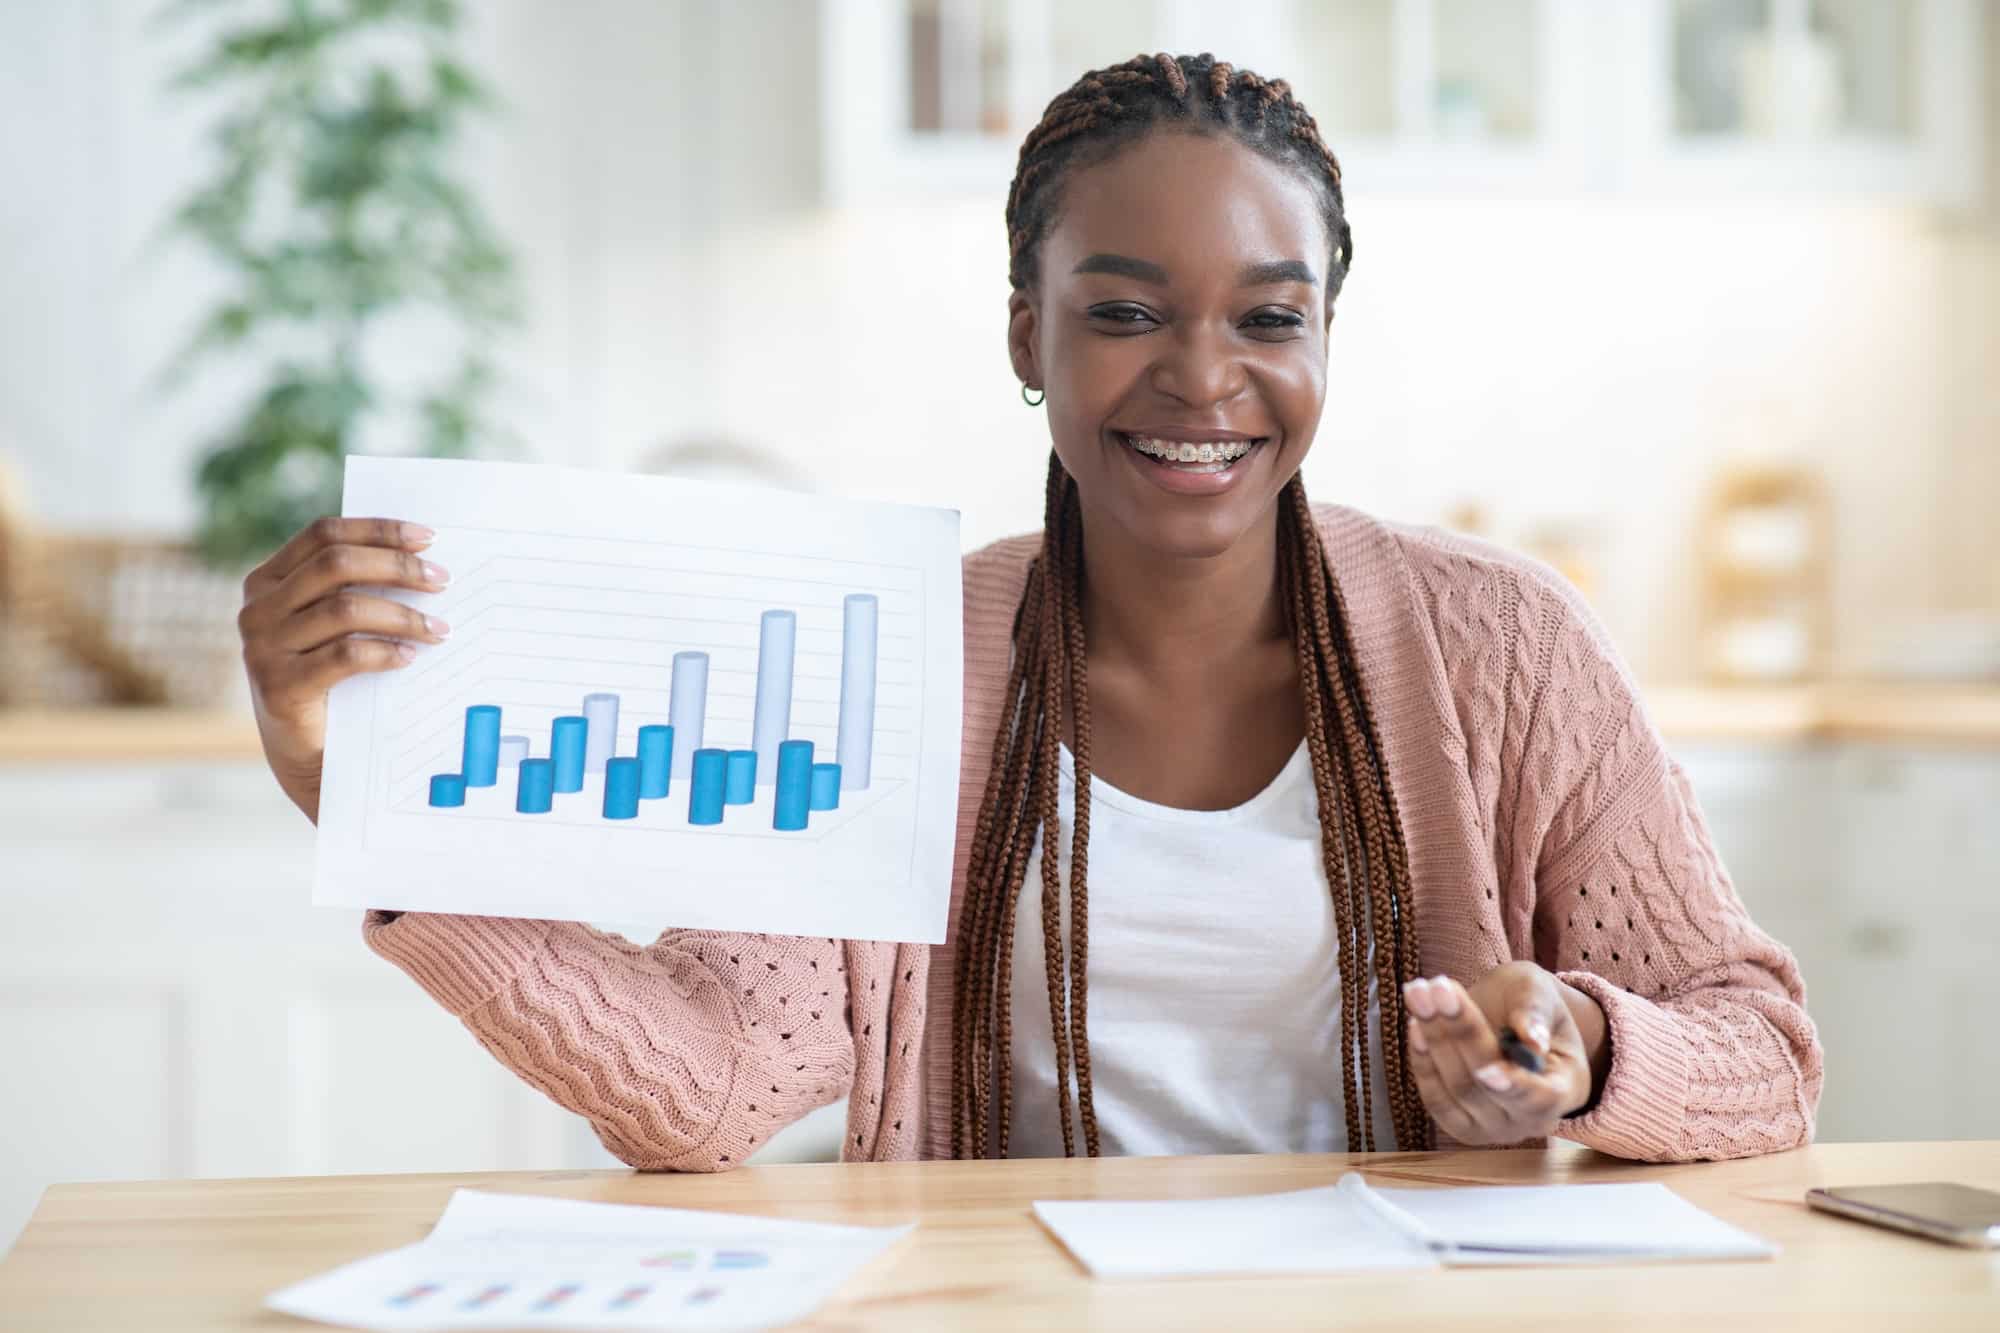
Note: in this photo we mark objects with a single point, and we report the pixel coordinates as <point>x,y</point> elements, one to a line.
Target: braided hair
<point>1108,109</point>
<point>1361,838</point>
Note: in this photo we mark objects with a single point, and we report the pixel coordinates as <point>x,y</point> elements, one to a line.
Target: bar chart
<point>741,708</point>
<point>658,740</point>
<point>581,749</point>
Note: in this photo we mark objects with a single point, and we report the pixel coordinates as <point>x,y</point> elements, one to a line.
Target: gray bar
<point>685,708</point>
<point>776,636</point>
<point>856,744</point>
<point>600,740</point>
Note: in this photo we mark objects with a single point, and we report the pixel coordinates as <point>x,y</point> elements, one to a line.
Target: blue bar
<point>482,746</point>
<point>825,787</point>
<point>535,794</point>
<point>705,801</point>
<point>741,786</point>
<point>656,761</point>
<point>795,764</point>
<point>621,787</point>
<point>447,789</point>
<point>566,740</point>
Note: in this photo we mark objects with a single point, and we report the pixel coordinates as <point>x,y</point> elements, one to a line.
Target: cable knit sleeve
<point>1712,1054</point>
<point>684,1055</point>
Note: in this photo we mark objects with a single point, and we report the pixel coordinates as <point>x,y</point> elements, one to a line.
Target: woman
<point>1354,797</point>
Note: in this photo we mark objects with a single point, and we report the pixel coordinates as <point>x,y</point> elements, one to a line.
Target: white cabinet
<point>1871,97</point>
<point>172,1005</point>
<point>1918,925</point>
<point>935,95</point>
<point>1879,866</point>
<point>1844,97</point>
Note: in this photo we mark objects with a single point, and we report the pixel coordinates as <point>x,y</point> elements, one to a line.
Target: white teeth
<point>1219,452</point>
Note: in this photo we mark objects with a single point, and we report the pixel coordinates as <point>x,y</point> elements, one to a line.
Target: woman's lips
<point>1194,478</point>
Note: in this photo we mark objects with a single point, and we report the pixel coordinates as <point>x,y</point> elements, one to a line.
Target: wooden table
<point>191,1255</point>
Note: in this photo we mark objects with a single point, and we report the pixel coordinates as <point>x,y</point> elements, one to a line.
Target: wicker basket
<point>112,620</point>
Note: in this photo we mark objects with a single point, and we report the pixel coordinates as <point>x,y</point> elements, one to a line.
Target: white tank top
<point>1214,994</point>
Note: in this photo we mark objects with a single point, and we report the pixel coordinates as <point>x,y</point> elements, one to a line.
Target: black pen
<point>1519,1051</point>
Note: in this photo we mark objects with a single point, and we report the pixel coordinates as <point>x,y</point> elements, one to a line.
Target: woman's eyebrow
<point>1265,274</point>
<point>1123,266</point>
<point>1276,271</point>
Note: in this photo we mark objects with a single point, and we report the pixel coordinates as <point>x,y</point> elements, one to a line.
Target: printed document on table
<point>661,701</point>
<point>1304,1231</point>
<point>1539,1223</point>
<point>521,1261</point>
<point>1353,1225</point>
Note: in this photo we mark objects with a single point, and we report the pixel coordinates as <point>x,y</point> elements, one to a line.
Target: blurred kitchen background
<point>1699,300</point>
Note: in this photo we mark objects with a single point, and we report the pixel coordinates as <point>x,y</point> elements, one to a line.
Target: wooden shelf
<point>126,735</point>
<point>1936,714</point>
<point>1846,711</point>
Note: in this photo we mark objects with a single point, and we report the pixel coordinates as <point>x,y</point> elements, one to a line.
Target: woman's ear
<point>1022,321</point>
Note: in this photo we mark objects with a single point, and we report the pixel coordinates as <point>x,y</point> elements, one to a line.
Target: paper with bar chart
<point>660,700</point>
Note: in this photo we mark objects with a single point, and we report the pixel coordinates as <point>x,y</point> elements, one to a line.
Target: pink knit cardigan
<point>1544,817</point>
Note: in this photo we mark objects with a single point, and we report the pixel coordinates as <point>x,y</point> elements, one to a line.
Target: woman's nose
<point>1198,367</point>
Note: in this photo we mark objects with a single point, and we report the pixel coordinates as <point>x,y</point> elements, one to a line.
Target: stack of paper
<point>519,1261</point>
<point>1351,1225</point>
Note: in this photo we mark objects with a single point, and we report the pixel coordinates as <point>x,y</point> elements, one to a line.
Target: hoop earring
<point>1033,402</point>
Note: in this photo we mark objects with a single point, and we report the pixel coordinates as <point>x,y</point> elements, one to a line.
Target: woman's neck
<point>1180,617</point>
<point>1194,696</point>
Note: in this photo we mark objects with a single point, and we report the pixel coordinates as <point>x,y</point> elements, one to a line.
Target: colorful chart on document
<point>741,710</point>
<point>592,712</point>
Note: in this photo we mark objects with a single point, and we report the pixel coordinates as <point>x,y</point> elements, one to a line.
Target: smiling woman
<point>1319,806</point>
<point>1182,627</point>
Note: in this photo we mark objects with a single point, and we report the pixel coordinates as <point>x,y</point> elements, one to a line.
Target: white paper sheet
<point>1352,1225</point>
<point>1644,1220</point>
<point>520,1261</point>
<point>568,583</point>
<point>1306,1231</point>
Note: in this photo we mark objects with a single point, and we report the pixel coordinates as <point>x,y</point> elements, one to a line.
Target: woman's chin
<point>1201,531</point>
<point>1195,515</point>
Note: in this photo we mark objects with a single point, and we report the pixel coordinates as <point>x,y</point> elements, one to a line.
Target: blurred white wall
<point>1575,360</point>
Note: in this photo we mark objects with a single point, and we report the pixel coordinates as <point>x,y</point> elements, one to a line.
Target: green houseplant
<point>332,206</point>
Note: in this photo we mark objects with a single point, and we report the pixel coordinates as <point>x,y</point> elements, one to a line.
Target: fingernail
<point>1447,998</point>
<point>1417,1042</point>
<point>1538,1034</point>
<point>437,627</point>
<point>1493,1076</point>
<point>406,650</point>
<point>437,574</point>
<point>1417,995</point>
<point>416,534</point>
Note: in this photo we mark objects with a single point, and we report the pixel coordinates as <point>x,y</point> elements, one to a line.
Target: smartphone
<point>1957,1214</point>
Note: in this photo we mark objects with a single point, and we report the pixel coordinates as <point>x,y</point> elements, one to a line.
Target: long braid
<point>1079,704</point>
<point>1362,847</point>
<point>1340,856</point>
<point>1380,882</point>
<point>1047,789</point>
<point>1389,899</point>
<point>1002,801</point>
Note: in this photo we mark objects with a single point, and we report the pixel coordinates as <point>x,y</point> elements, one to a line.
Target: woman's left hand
<point>1475,1093</point>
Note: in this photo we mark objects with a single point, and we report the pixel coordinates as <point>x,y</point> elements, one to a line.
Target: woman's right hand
<point>304,628</point>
